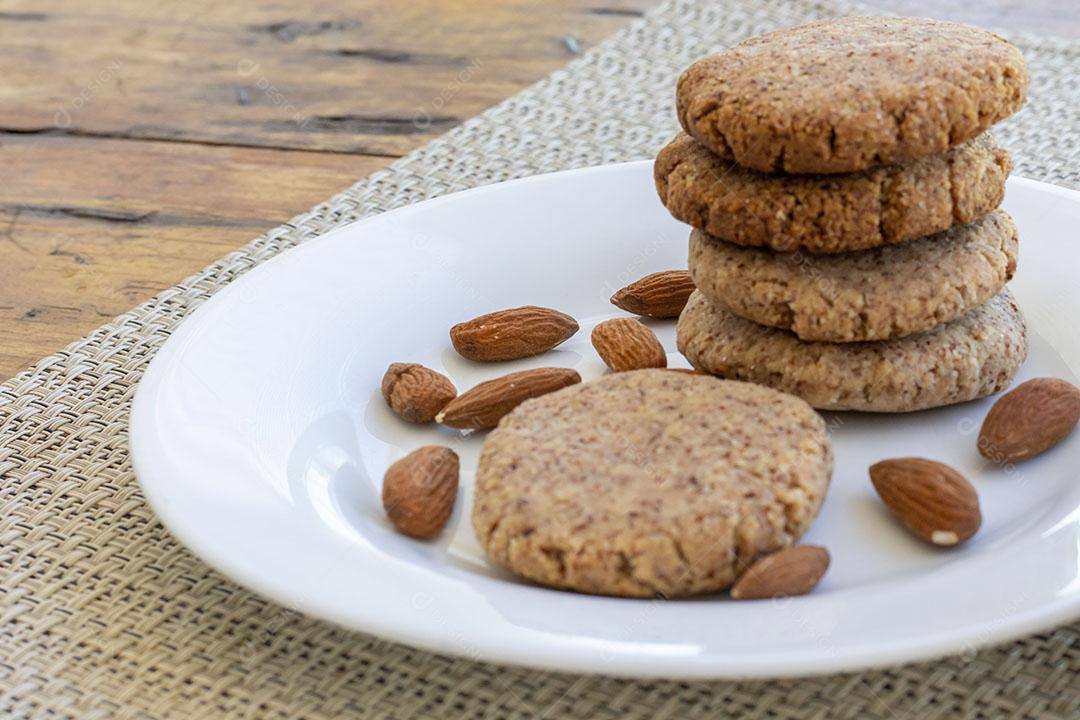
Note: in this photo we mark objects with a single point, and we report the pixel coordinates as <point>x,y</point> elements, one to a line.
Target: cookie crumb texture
<point>879,294</point>
<point>831,213</point>
<point>649,483</point>
<point>849,94</point>
<point>971,357</point>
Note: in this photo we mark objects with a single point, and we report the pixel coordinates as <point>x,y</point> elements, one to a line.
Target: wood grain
<point>140,140</point>
<point>360,77</point>
<point>170,133</point>
<point>92,227</point>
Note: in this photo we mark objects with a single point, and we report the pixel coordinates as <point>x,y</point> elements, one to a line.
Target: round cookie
<point>876,294</point>
<point>831,213</point>
<point>852,93</point>
<point>649,482</point>
<point>971,357</point>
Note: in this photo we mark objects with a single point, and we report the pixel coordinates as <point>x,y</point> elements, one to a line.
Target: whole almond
<point>512,334</point>
<point>484,405</point>
<point>419,491</point>
<point>1030,419</point>
<point>416,393</point>
<point>660,295</point>
<point>626,344</point>
<point>792,571</point>
<point>930,498</point>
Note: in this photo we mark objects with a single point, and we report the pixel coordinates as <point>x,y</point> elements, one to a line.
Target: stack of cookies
<point>847,245</point>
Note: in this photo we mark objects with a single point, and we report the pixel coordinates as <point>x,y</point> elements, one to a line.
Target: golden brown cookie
<point>831,213</point>
<point>849,94</point>
<point>876,294</point>
<point>649,482</point>
<point>971,357</point>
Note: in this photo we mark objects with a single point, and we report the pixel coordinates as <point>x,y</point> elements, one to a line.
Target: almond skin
<point>484,405</point>
<point>512,334</point>
<point>626,344</point>
<point>792,571</point>
<point>930,498</point>
<point>419,491</point>
<point>416,393</point>
<point>660,295</point>
<point>1029,420</point>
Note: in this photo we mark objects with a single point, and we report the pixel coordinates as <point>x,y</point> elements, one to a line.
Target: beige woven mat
<point>104,615</point>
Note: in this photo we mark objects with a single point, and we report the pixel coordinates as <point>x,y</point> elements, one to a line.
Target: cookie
<point>831,213</point>
<point>971,357</point>
<point>848,94</point>
<point>876,294</point>
<point>649,483</point>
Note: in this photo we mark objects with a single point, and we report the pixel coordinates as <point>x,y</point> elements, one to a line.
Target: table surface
<point>140,141</point>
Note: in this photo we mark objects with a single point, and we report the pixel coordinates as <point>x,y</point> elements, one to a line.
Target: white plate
<point>260,438</point>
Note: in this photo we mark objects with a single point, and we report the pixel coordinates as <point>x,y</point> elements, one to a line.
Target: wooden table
<point>142,139</point>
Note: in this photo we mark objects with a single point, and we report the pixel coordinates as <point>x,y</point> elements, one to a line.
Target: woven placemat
<point>106,616</point>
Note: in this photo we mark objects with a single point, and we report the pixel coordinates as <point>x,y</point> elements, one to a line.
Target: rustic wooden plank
<point>97,213</point>
<point>362,77</point>
<point>89,227</point>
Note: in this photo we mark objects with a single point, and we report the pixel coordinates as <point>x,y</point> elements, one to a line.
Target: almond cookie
<point>877,294</point>
<point>849,94</point>
<point>971,357</point>
<point>649,483</point>
<point>831,213</point>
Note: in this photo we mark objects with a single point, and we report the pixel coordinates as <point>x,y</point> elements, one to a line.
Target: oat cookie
<point>971,357</point>
<point>649,482</point>
<point>851,93</point>
<point>876,294</point>
<point>831,213</point>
